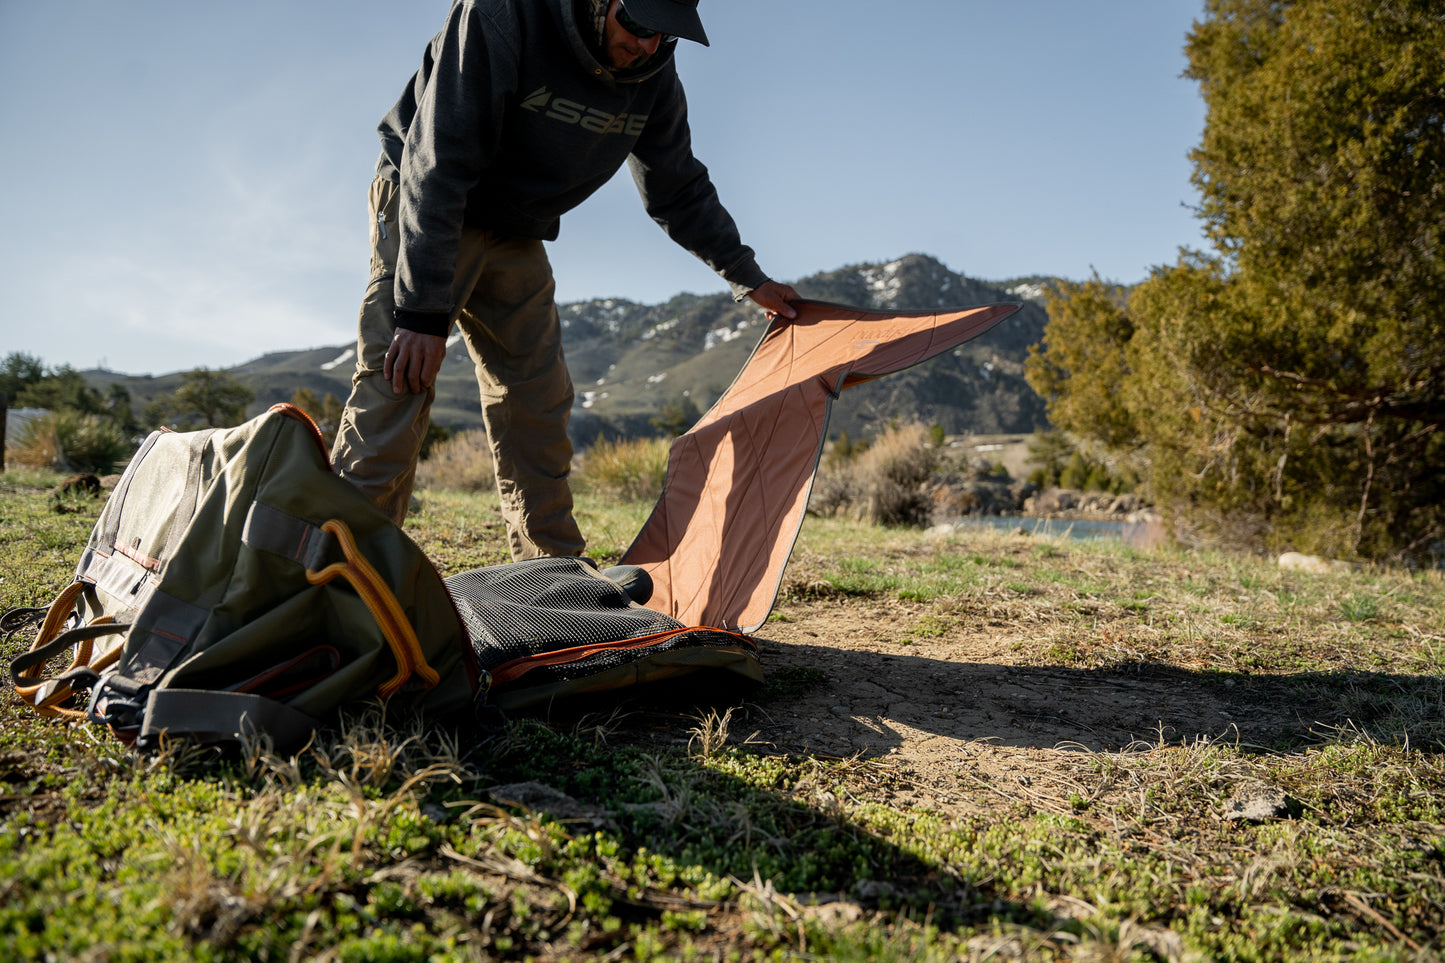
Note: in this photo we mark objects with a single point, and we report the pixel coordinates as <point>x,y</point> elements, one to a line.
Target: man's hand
<point>773,298</point>
<point>413,360</point>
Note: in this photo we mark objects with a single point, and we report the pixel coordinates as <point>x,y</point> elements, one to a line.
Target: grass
<point>67,440</point>
<point>633,469</point>
<point>461,463</point>
<point>663,831</point>
<point>883,485</point>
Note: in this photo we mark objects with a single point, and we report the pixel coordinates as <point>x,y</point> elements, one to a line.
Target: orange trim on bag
<point>291,411</point>
<point>514,670</point>
<point>145,561</point>
<point>59,611</point>
<point>382,603</point>
<point>50,706</point>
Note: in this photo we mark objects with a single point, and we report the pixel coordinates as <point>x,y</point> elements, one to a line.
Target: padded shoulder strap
<point>27,672</point>
<point>24,668</point>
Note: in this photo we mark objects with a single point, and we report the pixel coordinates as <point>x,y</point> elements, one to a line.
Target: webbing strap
<point>209,715</point>
<point>270,530</point>
<point>16,619</point>
<point>44,695</point>
<point>186,507</point>
<point>22,667</point>
<point>164,631</point>
<point>116,503</point>
<point>60,612</point>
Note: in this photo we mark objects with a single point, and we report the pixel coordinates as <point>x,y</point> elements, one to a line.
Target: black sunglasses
<point>635,28</point>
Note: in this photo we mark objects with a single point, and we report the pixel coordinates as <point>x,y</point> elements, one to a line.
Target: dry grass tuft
<point>37,445</point>
<point>462,463</point>
<point>70,441</point>
<point>629,469</point>
<point>711,733</point>
<point>884,485</point>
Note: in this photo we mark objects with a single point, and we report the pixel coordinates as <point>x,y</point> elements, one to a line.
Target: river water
<point>1140,534</point>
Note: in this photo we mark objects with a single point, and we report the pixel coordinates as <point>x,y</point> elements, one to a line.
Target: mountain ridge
<point>629,360</point>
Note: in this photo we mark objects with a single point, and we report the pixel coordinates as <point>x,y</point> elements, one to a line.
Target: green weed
<point>1360,608</point>
<point>659,834</point>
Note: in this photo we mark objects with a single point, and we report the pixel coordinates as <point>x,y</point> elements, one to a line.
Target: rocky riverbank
<point>955,495</point>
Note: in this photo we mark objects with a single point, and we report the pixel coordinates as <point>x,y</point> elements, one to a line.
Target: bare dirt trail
<point>967,721</point>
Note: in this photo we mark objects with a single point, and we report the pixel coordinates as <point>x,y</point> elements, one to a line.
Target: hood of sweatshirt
<point>581,22</point>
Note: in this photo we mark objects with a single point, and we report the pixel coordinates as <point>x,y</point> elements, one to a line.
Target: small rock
<point>1052,500</point>
<point>87,484</point>
<point>1124,504</point>
<point>872,889</point>
<point>835,913</point>
<point>1312,563</point>
<point>1257,802</point>
<point>555,803</point>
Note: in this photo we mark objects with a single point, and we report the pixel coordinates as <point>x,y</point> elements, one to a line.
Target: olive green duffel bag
<point>234,585</point>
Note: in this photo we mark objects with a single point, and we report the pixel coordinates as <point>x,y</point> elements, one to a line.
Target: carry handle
<point>45,695</point>
<point>384,607</point>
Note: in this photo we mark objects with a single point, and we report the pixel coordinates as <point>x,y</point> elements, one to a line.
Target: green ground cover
<point>663,831</point>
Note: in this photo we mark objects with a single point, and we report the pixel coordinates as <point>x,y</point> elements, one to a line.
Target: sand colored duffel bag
<point>235,585</point>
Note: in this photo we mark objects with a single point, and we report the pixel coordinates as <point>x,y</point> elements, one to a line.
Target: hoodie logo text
<point>588,118</point>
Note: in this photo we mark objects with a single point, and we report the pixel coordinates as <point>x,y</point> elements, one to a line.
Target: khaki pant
<point>503,292</point>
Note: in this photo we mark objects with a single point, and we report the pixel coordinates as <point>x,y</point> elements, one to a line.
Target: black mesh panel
<point>544,604</point>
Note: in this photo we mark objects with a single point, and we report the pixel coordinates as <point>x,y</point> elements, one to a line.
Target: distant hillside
<point>628,360</point>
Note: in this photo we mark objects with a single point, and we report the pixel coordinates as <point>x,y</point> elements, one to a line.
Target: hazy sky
<point>188,179</point>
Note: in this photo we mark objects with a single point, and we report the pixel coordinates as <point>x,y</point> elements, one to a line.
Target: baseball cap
<point>677,18</point>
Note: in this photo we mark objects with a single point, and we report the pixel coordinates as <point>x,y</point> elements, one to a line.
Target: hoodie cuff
<point>744,282</point>
<point>423,322</point>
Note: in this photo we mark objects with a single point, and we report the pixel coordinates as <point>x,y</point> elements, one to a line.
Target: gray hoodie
<point>513,120</point>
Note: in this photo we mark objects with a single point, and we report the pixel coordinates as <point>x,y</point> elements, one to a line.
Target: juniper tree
<point>1288,385</point>
<point>206,398</point>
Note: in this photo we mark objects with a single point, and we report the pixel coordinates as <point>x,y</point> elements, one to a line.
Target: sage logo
<point>580,115</point>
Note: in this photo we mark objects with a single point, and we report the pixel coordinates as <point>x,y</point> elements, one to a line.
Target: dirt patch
<point>969,724</point>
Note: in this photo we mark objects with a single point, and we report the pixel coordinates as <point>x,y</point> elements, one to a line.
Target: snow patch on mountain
<point>884,283</point>
<point>719,336</point>
<point>605,313</point>
<point>657,329</point>
<point>340,360</point>
<point>1032,292</point>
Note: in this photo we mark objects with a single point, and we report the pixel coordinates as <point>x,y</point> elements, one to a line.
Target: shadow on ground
<point>869,703</point>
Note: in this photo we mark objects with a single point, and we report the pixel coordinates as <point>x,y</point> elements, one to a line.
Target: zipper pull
<point>381,224</point>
